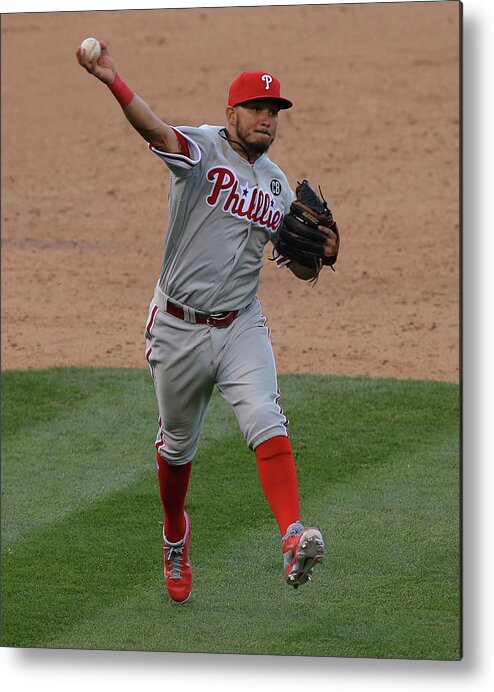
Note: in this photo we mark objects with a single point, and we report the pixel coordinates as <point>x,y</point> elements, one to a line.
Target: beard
<point>257,147</point>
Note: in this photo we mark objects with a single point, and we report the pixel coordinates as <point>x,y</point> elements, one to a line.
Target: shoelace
<point>295,529</point>
<point>173,555</point>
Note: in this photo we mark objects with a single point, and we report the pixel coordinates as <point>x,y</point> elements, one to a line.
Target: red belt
<point>219,320</point>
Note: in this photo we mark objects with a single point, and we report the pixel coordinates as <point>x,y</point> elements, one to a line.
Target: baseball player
<point>227,200</point>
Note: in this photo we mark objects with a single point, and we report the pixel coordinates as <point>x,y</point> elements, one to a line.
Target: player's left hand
<point>309,235</point>
<point>333,241</point>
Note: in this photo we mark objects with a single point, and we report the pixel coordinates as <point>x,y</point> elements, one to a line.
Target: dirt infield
<point>375,123</point>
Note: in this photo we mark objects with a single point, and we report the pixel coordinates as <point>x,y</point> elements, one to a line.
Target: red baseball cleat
<point>303,549</point>
<point>177,569</point>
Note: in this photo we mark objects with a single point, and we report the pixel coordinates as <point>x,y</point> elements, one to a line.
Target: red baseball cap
<point>250,86</point>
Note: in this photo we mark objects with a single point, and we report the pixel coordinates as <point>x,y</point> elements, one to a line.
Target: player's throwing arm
<point>99,63</point>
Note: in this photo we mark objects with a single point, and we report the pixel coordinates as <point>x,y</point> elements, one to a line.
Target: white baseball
<point>92,48</point>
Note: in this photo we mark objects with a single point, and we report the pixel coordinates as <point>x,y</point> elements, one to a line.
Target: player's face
<point>256,123</point>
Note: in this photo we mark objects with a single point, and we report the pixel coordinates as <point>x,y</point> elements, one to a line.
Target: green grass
<point>378,465</point>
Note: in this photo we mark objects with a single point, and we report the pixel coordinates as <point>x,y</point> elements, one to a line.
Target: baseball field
<point>82,522</point>
<point>369,358</point>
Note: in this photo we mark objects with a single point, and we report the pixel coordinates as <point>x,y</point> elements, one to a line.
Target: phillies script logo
<point>242,202</point>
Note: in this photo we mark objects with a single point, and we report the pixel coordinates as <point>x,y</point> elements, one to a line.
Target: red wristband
<point>121,91</point>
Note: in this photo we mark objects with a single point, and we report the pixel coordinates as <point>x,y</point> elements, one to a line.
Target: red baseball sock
<point>279,480</point>
<point>173,481</point>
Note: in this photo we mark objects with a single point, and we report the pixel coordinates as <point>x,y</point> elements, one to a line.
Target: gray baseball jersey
<point>223,211</point>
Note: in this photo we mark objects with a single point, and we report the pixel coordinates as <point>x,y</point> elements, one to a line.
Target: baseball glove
<point>299,237</point>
